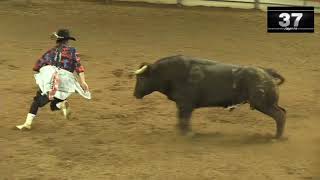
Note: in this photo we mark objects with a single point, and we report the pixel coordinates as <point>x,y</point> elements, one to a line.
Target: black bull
<point>194,83</point>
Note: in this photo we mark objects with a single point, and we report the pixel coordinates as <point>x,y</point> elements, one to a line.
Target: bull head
<point>144,81</point>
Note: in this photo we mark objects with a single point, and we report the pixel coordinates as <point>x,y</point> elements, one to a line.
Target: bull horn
<point>141,70</point>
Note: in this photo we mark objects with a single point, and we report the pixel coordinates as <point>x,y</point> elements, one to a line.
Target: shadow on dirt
<point>235,139</point>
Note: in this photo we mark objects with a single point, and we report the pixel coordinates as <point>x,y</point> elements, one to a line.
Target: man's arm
<point>80,71</point>
<point>83,82</point>
<point>42,61</point>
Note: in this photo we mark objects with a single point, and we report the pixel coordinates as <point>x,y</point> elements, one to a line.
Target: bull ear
<point>144,69</point>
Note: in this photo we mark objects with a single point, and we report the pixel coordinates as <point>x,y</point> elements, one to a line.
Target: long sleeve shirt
<point>64,57</point>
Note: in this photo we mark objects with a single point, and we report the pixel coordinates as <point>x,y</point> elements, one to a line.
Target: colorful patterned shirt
<point>64,57</point>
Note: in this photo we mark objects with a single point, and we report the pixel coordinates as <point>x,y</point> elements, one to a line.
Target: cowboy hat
<point>62,34</point>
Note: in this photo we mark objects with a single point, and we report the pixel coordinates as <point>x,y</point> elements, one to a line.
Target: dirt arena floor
<point>115,136</point>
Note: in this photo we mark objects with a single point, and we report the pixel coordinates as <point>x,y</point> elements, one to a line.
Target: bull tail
<point>273,73</point>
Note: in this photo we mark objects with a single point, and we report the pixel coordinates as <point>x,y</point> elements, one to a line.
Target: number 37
<point>286,19</point>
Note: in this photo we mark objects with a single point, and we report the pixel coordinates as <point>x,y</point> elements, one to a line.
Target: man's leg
<point>63,105</point>
<point>38,101</point>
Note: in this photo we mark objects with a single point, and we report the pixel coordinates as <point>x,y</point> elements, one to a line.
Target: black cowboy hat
<point>63,34</point>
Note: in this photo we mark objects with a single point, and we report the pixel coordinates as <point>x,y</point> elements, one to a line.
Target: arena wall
<point>244,4</point>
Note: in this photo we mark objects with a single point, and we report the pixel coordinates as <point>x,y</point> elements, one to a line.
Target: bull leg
<point>278,114</point>
<point>184,116</point>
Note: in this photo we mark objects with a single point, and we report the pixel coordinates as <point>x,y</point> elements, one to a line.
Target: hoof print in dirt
<point>117,72</point>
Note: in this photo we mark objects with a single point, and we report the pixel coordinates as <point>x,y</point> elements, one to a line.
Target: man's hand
<point>83,83</point>
<point>84,86</point>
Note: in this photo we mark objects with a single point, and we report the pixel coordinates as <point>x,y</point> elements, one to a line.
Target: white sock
<point>59,105</point>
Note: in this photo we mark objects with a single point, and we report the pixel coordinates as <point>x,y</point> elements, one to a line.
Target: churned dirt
<point>115,136</point>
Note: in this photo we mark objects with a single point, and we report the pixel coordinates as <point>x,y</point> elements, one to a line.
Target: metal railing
<point>257,4</point>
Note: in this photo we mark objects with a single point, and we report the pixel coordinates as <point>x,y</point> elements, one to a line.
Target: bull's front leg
<point>184,116</point>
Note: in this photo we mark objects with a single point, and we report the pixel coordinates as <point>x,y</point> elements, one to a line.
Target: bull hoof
<point>189,134</point>
<point>279,139</point>
<point>186,132</point>
<point>279,133</point>
<point>186,135</point>
<point>183,129</point>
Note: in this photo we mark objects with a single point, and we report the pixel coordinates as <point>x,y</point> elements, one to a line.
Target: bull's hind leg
<point>278,114</point>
